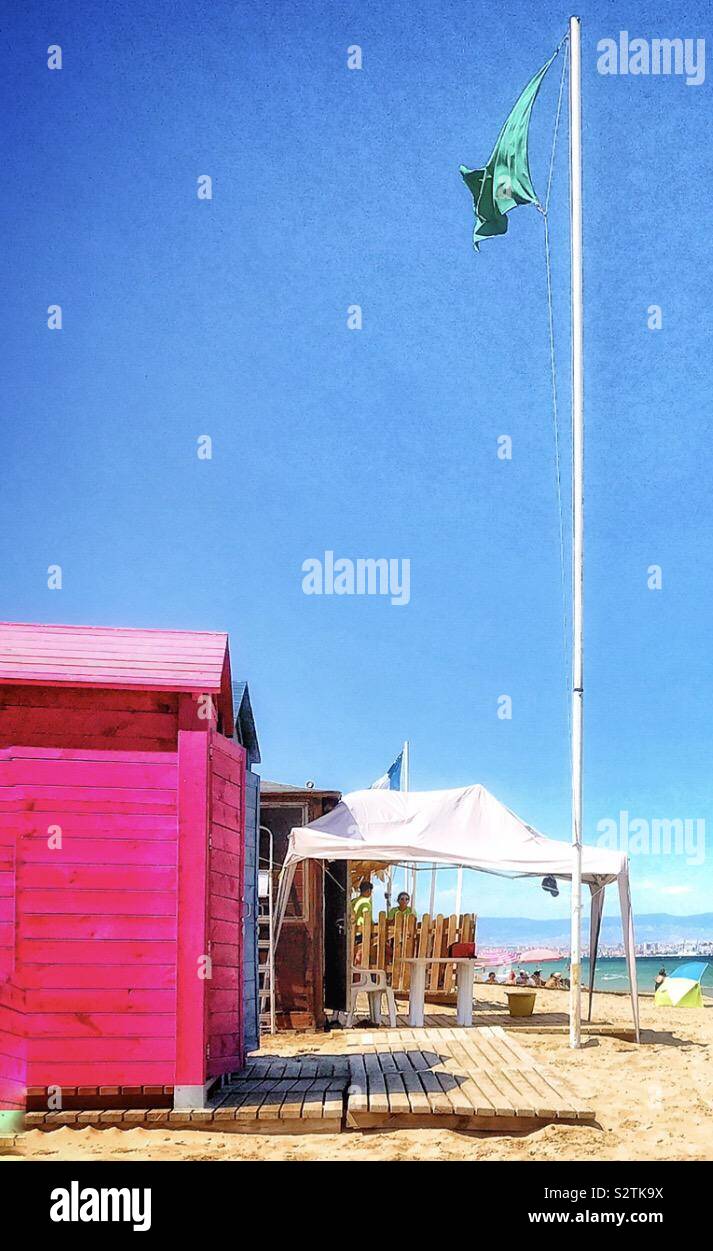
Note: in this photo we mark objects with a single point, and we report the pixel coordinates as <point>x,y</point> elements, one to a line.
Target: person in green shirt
<point>361,909</point>
<point>361,905</point>
<point>403,906</point>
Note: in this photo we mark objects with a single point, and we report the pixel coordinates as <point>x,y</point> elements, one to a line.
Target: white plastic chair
<point>373,984</point>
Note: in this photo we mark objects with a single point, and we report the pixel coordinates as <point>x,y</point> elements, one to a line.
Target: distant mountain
<point>650,927</point>
<point>661,927</point>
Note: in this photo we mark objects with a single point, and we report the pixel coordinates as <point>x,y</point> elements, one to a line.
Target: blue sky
<point>228,317</point>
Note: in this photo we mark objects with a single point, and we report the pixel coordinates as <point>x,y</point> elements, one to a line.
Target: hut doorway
<point>299,957</point>
<point>336,934</point>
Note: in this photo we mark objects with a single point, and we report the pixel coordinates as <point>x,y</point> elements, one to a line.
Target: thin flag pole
<point>405,764</point>
<point>575,171</point>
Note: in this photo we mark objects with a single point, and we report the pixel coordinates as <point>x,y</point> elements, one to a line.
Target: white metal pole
<point>432,900</point>
<point>389,886</point>
<point>459,889</point>
<point>575,167</point>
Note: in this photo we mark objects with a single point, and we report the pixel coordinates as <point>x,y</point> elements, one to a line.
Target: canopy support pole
<point>284,886</point>
<point>432,899</point>
<point>627,923</point>
<point>459,889</point>
<point>595,925</point>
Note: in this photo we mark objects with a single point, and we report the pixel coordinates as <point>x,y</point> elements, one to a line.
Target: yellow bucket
<point>521,1002</point>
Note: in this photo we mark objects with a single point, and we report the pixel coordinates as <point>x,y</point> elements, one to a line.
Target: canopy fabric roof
<point>467,826</point>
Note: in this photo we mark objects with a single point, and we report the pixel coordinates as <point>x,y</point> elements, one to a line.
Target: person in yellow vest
<point>361,909</point>
<point>361,904</point>
<point>403,906</point>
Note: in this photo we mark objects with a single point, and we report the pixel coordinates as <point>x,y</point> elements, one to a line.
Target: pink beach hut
<point>122,819</point>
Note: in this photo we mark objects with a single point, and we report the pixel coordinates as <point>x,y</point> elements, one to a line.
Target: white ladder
<point>266,938</point>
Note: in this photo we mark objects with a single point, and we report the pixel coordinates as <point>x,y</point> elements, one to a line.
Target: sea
<point>611,974</point>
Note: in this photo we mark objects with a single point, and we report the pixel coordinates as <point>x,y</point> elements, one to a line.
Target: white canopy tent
<point>467,826</point>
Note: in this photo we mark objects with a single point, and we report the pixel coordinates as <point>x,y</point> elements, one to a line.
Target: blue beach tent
<point>683,988</point>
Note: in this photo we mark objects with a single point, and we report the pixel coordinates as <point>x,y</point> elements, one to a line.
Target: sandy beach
<point>654,1101</point>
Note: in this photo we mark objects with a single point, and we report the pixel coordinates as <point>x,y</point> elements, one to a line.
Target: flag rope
<point>544,209</point>
<point>557,124</point>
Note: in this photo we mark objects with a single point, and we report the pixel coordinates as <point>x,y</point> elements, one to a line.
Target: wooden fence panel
<point>397,968</point>
<point>381,941</point>
<point>449,983</point>
<point>424,936</point>
<point>433,983</point>
<point>389,944</point>
<point>410,937</point>
<point>366,960</point>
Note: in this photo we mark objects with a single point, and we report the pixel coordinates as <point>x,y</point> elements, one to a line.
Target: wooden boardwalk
<point>461,1078</point>
<point>493,1012</point>
<point>273,1095</point>
<point>439,1076</point>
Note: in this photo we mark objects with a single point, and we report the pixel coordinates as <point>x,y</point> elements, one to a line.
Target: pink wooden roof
<point>174,660</point>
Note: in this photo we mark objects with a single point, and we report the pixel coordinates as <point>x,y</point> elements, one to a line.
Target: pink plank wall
<point>225,916</point>
<point>13,1050</point>
<point>96,916</point>
<point>193,771</point>
<point>108,987</point>
<point>8,838</point>
<point>62,716</point>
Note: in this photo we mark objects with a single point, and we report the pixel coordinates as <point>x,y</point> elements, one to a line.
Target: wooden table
<point>465,974</point>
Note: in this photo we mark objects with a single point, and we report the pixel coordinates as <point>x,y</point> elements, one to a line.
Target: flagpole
<point>404,787</point>
<point>575,169</point>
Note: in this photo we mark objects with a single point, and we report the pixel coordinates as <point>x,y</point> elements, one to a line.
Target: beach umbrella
<point>493,959</point>
<point>683,988</point>
<point>539,955</point>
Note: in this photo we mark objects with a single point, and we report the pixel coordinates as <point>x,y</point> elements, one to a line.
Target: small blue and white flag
<point>391,781</point>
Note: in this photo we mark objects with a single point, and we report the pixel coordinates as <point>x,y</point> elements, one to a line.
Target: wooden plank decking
<point>492,1012</point>
<point>288,1095</point>
<point>460,1078</point>
<point>471,1079</point>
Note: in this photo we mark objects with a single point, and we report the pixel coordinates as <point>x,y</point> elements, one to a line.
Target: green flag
<point>505,182</point>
